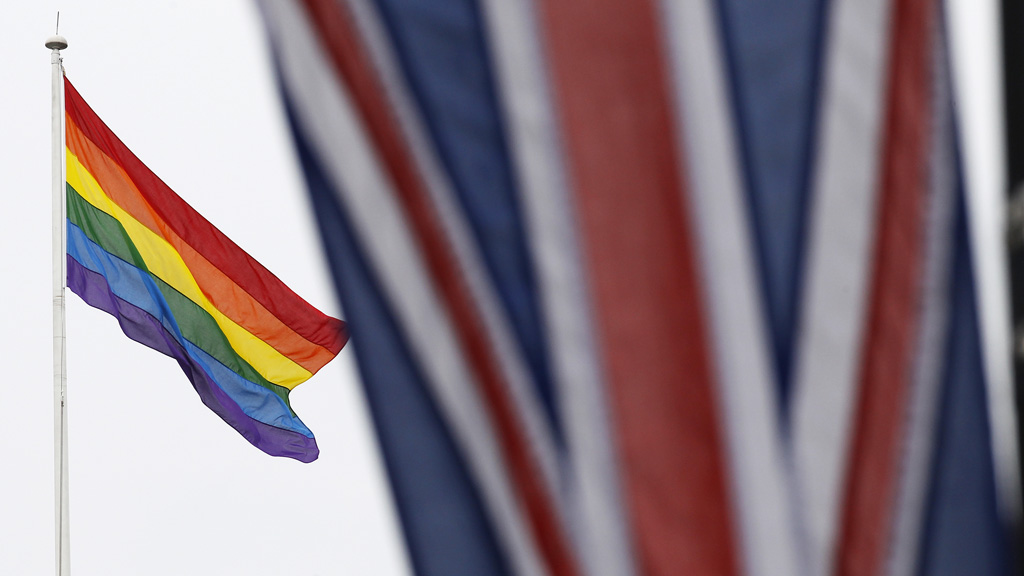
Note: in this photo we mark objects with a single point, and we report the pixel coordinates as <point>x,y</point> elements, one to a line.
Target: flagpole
<point>57,43</point>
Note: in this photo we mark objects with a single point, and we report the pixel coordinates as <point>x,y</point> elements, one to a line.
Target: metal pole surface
<point>60,383</point>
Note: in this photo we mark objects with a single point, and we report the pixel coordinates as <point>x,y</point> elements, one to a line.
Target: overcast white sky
<point>159,485</point>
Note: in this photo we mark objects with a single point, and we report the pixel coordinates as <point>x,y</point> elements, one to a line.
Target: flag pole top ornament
<point>56,42</point>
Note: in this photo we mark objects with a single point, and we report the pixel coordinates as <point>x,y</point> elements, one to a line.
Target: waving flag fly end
<point>654,287</point>
<point>178,285</point>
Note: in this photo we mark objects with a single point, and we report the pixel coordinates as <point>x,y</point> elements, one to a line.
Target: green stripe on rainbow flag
<point>177,284</point>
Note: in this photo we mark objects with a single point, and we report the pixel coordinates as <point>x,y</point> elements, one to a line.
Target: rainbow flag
<point>178,285</point>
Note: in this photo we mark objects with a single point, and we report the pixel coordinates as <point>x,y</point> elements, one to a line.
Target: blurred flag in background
<point>654,287</point>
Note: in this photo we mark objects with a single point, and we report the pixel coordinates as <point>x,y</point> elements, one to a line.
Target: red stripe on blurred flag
<point>888,349</point>
<point>611,85</point>
<point>340,37</point>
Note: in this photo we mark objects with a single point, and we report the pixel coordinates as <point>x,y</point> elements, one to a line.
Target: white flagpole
<point>57,43</point>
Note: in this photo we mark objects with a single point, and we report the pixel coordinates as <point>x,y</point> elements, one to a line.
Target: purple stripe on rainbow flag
<point>142,327</point>
<point>243,338</point>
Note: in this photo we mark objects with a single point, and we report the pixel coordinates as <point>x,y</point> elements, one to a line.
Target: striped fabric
<point>178,285</point>
<point>654,287</point>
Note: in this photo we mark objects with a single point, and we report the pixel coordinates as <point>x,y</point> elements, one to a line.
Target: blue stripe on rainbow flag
<point>135,287</point>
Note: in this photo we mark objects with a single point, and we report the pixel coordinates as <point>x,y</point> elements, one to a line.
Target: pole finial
<point>56,42</point>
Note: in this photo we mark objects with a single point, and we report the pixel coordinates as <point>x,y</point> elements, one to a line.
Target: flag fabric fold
<point>178,285</point>
<point>655,287</point>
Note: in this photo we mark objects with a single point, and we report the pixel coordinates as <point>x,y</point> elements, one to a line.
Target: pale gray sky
<point>159,485</point>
